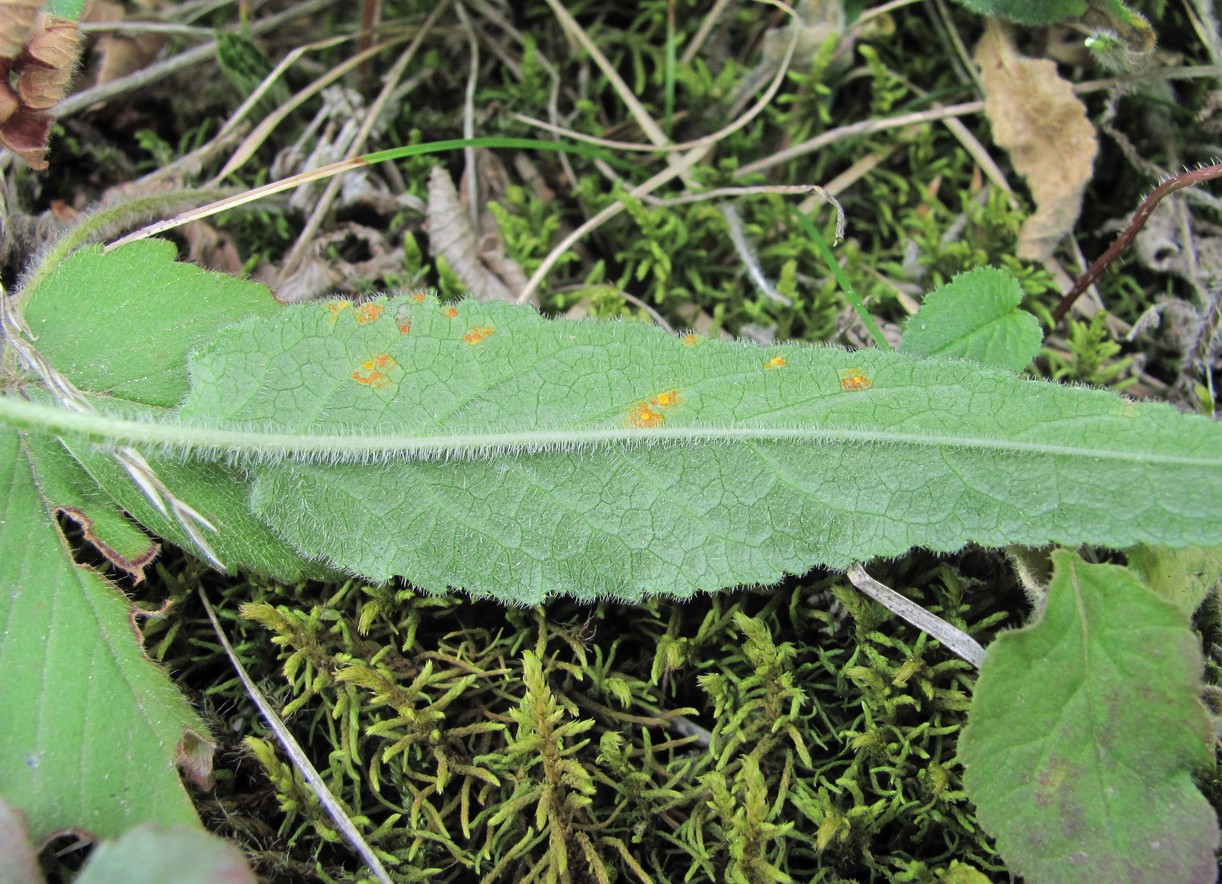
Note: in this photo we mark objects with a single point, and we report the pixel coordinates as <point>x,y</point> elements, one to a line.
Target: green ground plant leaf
<point>150,854</point>
<point>67,487</point>
<point>122,323</point>
<point>165,309</point>
<point>91,729</point>
<point>1029,12</point>
<point>482,447</point>
<point>1083,732</point>
<point>551,456</point>
<point>1182,576</point>
<point>975,316</point>
<point>1111,17</point>
<point>241,541</point>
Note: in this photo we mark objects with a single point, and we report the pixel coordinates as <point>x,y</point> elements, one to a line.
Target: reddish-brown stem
<point>1140,217</point>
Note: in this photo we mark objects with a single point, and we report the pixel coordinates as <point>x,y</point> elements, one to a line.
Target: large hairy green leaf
<point>482,447</point>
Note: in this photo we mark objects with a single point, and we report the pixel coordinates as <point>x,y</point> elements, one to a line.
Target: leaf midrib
<point>365,446</point>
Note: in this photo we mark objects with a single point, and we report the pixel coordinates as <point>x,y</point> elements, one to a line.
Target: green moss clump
<point>800,733</point>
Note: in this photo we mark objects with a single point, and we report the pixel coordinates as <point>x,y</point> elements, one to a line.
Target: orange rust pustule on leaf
<point>403,319</point>
<point>368,313</point>
<point>666,399</point>
<point>775,362</point>
<point>852,380</point>
<point>643,416</point>
<point>372,373</point>
<point>477,334</point>
<point>648,414</point>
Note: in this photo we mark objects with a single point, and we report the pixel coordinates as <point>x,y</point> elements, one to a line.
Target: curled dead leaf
<point>9,102</point>
<point>18,20</point>
<point>25,133</point>
<point>45,68</point>
<point>1037,118</point>
<point>452,237</point>
<point>119,54</point>
<point>40,69</point>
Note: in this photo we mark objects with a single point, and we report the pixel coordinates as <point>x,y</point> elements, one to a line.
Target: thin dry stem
<point>297,253</point>
<point>297,755</point>
<point>952,638</point>
<point>1126,237</point>
<point>196,55</point>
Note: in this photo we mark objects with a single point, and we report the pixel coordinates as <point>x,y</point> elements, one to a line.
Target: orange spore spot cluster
<point>335,308</point>
<point>645,415</point>
<point>449,312</point>
<point>367,313</point>
<point>775,362</point>
<point>419,298</point>
<point>852,380</point>
<point>691,340</point>
<point>477,334</point>
<point>372,372</point>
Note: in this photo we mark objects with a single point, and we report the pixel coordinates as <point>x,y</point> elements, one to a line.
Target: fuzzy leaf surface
<point>122,323</point>
<point>1084,729</point>
<point>165,309</point>
<point>482,447</point>
<point>975,316</point>
<point>91,729</point>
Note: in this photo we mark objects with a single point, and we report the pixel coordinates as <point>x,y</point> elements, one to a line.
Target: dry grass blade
<point>952,638</point>
<point>679,166</point>
<point>233,202</point>
<point>651,129</point>
<point>196,55</point>
<point>669,147</point>
<point>605,215</point>
<point>295,753</point>
<point>255,139</point>
<point>864,127</point>
<point>390,81</point>
<point>14,332</point>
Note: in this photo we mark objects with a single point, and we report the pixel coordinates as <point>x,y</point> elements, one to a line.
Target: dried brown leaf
<point>46,66</point>
<point>40,72</point>
<point>25,133</point>
<point>210,248</point>
<point>9,102</point>
<point>17,25</point>
<point>119,54</point>
<point>452,237</point>
<point>317,276</point>
<point>1037,118</point>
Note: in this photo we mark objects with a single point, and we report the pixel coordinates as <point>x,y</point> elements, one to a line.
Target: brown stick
<point>1140,217</point>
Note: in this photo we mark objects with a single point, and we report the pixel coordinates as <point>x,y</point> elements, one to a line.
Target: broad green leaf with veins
<point>975,316</point>
<point>1084,729</point>
<point>91,729</point>
<point>481,447</point>
<point>484,448</point>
